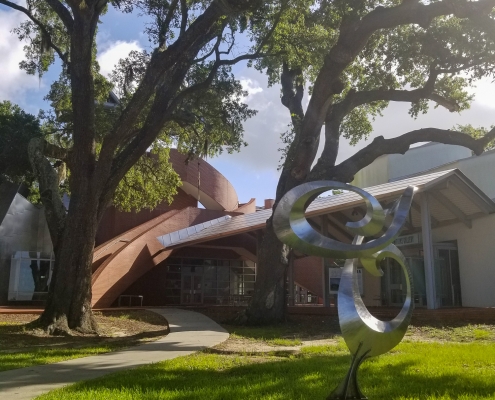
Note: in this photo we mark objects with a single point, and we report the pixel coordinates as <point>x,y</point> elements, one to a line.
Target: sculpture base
<point>349,388</point>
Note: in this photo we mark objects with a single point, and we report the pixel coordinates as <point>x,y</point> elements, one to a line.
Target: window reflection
<point>30,274</point>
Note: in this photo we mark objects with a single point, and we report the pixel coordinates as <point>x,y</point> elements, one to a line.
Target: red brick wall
<point>247,208</point>
<point>115,222</point>
<point>212,182</point>
<point>307,273</point>
<point>141,253</point>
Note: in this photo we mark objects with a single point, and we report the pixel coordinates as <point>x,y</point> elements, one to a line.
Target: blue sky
<point>253,171</point>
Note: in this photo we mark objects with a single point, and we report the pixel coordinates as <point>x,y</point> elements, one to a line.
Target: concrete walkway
<point>189,332</point>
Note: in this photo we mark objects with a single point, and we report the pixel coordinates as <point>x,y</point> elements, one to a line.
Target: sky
<point>253,171</point>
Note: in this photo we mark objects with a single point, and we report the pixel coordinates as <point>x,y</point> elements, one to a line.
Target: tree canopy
<point>180,93</point>
<point>17,128</point>
<point>353,58</point>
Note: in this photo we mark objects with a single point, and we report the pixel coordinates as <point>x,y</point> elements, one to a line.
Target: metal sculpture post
<point>365,335</point>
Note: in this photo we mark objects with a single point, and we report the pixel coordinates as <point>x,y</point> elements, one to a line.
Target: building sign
<point>336,273</point>
<point>407,240</point>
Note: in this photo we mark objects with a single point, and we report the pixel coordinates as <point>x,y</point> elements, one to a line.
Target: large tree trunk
<point>69,300</point>
<point>269,302</point>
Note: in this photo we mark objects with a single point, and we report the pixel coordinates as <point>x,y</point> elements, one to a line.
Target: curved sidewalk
<point>189,332</point>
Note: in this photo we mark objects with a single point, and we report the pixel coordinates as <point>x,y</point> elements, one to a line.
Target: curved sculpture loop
<point>365,335</point>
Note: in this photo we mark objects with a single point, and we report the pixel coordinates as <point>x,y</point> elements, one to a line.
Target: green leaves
<point>149,182</point>
<point>17,128</point>
<point>477,133</point>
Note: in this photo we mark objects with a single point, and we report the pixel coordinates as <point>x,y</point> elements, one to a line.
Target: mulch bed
<point>120,328</point>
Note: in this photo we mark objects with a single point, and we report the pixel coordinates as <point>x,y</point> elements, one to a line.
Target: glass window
<point>223,274</point>
<point>220,279</point>
<point>236,263</point>
<point>26,281</point>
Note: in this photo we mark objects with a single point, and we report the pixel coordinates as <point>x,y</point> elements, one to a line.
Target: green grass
<point>284,342</point>
<point>264,333</point>
<point>274,335</point>
<point>465,333</point>
<point>428,371</point>
<point>30,357</point>
<point>22,345</point>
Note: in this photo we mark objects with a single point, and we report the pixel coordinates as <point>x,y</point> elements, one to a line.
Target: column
<point>429,259</point>
<point>325,278</point>
<point>291,279</point>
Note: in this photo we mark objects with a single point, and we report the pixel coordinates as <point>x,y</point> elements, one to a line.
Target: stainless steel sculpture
<point>365,335</point>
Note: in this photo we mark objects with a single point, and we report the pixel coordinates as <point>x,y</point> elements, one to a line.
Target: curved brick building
<point>128,259</point>
<point>186,254</point>
<point>132,264</point>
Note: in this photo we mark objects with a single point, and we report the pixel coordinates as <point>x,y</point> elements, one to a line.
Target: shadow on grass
<point>300,327</point>
<point>296,378</point>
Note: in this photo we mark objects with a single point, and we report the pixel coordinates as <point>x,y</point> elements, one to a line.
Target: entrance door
<point>394,287</point>
<point>447,277</point>
<point>397,285</point>
<point>417,267</point>
<point>192,289</point>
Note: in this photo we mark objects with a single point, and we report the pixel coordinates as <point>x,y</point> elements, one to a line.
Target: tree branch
<point>353,37</point>
<point>40,25</point>
<point>212,51</point>
<point>53,151</point>
<point>166,24</point>
<point>63,14</point>
<point>355,99</point>
<point>292,92</point>
<point>185,14</point>
<point>346,170</point>
<point>211,76</point>
<point>49,189</point>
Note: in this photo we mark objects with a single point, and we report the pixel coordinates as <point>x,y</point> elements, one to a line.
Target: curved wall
<point>127,245</point>
<point>215,193</point>
<point>136,252</point>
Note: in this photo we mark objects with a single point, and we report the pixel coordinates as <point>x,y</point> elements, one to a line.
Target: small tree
<point>17,128</point>
<point>182,91</point>
<point>358,56</point>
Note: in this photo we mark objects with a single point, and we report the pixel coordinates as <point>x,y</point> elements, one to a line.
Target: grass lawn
<point>454,362</point>
<point>22,345</point>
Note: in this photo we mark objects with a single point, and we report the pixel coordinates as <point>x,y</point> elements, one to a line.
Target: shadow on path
<point>189,332</point>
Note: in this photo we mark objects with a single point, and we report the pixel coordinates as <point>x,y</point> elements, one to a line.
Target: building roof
<point>465,202</point>
<point>176,236</point>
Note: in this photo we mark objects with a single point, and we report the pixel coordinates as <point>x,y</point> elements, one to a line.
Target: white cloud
<point>484,92</point>
<point>251,86</point>
<point>113,52</point>
<point>253,171</point>
<point>13,82</point>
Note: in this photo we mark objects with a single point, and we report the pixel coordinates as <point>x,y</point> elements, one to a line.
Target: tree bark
<point>269,300</point>
<point>69,300</point>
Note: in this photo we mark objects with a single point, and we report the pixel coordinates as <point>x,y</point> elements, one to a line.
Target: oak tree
<point>354,57</point>
<point>182,91</point>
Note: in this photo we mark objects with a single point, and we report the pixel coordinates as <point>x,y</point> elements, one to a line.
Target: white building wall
<point>393,166</point>
<point>479,169</point>
<point>424,158</point>
<point>375,174</point>
<point>476,259</point>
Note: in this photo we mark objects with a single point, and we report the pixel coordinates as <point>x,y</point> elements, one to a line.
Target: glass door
<point>447,277</point>
<point>417,267</point>
<point>192,289</point>
<point>396,283</point>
